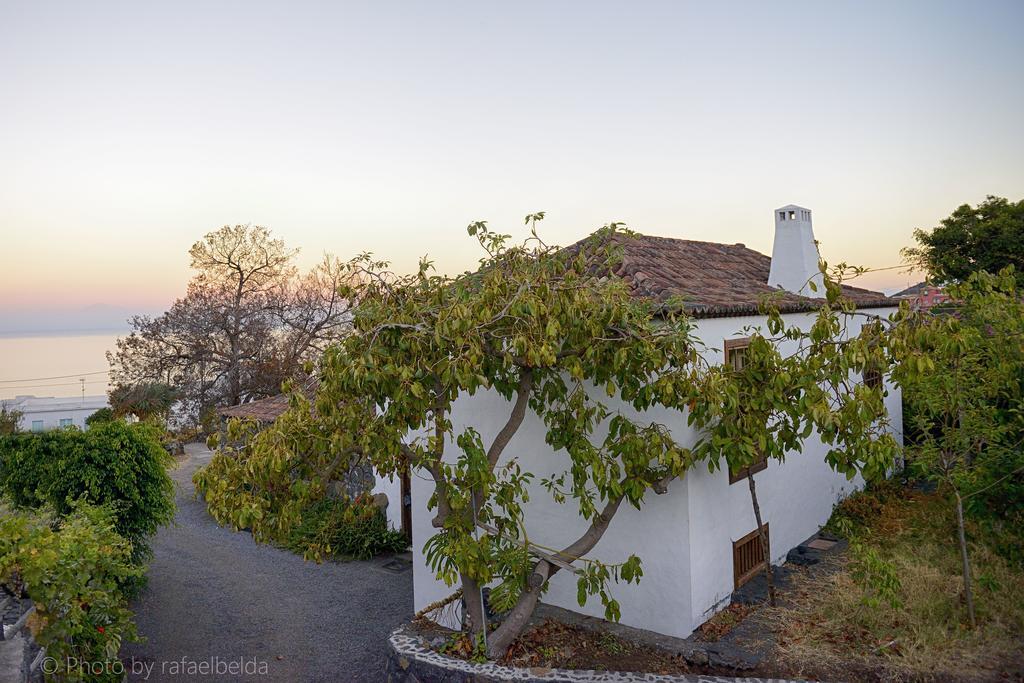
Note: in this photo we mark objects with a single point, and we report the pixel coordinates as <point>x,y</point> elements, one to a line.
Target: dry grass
<point>826,630</point>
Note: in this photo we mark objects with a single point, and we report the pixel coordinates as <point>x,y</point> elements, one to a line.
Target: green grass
<point>833,624</point>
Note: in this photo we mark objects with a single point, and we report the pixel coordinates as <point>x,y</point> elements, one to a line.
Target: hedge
<point>114,464</point>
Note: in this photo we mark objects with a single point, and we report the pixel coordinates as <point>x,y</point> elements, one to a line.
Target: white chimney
<point>795,254</point>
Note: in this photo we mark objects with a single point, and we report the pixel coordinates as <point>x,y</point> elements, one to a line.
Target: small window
<point>782,215</point>
<point>736,357</point>
<point>736,352</point>
<point>37,425</point>
<point>872,378</point>
<point>758,466</point>
<point>66,422</point>
<point>792,215</point>
<point>748,556</point>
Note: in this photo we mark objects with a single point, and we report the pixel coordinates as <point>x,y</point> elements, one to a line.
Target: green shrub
<point>115,464</point>
<point>344,529</point>
<point>73,567</point>
<point>100,416</point>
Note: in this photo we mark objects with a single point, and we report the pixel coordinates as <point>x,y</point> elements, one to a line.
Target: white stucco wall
<point>684,538</point>
<point>392,488</point>
<point>50,411</point>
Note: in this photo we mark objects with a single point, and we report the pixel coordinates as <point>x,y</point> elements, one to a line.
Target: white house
<point>42,413</point>
<point>687,539</point>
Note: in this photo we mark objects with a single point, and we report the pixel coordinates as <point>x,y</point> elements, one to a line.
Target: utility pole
<point>82,380</point>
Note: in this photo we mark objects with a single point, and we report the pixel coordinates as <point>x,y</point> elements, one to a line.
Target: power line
<point>47,386</point>
<point>77,374</point>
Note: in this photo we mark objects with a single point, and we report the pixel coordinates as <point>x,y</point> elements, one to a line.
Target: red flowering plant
<point>74,569</point>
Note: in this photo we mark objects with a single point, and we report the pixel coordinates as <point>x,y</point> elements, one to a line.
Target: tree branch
<point>515,419</point>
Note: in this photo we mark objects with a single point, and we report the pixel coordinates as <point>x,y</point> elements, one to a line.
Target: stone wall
<point>411,660</point>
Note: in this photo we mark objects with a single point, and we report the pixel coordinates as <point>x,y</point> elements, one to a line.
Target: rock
<point>696,657</point>
<point>732,658</point>
<point>380,500</point>
<point>803,556</point>
<point>403,662</point>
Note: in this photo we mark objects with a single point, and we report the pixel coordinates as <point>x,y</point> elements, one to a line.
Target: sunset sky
<point>128,130</point>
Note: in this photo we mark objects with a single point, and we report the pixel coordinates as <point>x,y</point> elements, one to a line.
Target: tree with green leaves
<point>988,237</point>
<point>146,400</point>
<point>10,418</point>
<point>963,380</point>
<point>100,416</point>
<point>550,332</point>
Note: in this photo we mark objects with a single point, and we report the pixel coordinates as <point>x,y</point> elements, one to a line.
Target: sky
<point>128,130</point>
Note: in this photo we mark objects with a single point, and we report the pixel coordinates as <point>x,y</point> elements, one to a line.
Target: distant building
<point>39,413</point>
<point>923,295</point>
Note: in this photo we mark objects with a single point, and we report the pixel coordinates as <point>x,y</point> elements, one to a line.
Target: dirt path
<point>218,600</point>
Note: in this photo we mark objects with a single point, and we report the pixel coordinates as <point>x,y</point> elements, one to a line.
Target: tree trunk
<point>515,621</point>
<point>764,539</point>
<point>472,599</point>
<point>968,592</point>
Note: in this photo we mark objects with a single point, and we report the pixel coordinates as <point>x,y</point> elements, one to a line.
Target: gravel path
<point>217,599</point>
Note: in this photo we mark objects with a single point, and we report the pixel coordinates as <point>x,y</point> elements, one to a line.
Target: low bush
<point>115,464</point>
<point>344,529</point>
<point>100,416</point>
<point>73,567</point>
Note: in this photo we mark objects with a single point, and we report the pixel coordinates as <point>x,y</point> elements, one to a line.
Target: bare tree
<point>247,322</point>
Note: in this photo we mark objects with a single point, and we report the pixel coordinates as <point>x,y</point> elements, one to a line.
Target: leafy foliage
<point>963,375</point>
<point>964,379</point>
<point>988,237</point>
<point>100,416</point>
<point>346,529</point>
<point>145,400</point>
<point>549,332</point>
<point>74,568</point>
<point>115,464</point>
<point>9,419</point>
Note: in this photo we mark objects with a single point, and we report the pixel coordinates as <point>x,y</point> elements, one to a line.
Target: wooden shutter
<point>748,556</point>
<point>747,471</point>
<point>735,357</point>
<point>736,352</point>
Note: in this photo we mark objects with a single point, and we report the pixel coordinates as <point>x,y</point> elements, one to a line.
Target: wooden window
<point>735,357</point>
<point>872,377</point>
<point>758,466</point>
<point>736,352</point>
<point>748,556</point>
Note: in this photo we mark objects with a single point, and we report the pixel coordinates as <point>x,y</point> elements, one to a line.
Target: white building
<point>39,413</point>
<point>687,538</point>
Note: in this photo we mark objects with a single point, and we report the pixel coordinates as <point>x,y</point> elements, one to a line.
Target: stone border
<point>16,641</point>
<point>410,660</point>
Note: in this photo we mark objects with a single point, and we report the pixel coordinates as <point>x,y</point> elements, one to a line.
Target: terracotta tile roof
<point>266,409</point>
<point>261,410</point>
<point>715,280</point>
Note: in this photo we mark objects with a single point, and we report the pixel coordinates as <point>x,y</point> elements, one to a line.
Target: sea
<point>53,364</point>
